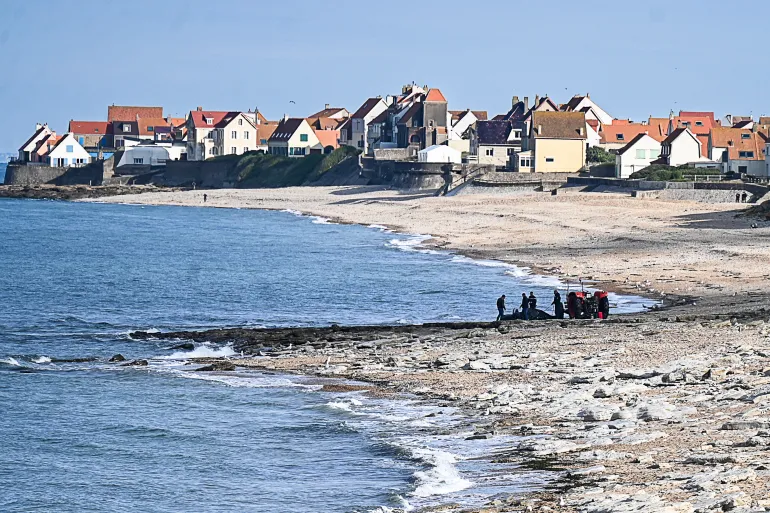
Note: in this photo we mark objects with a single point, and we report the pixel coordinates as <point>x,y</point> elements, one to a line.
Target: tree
<point>599,155</point>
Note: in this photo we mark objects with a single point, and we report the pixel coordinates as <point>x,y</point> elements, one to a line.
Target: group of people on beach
<point>528,307</point>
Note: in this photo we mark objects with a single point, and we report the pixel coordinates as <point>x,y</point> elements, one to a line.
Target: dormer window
<point>699,123</point>
<point>746,154</point>
<point>620,137</point>
<point>685,123</point>
<point>209,121</point>
<point>126,128</point>
<point>150,129</point>
<point>745,136</point>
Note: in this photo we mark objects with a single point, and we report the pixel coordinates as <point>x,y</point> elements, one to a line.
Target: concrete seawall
<point>709,192</point>
<point>92,174</point>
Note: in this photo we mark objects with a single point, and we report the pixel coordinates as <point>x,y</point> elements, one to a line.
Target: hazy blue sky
<point>64,60</point>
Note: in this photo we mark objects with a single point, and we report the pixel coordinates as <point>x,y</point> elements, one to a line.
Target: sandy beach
<point>634,245</point>
<point>663,411</point>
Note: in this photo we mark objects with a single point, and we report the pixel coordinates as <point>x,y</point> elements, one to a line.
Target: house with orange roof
<point>617,135</point>
<point>294,137</point>
<point>212,133</point>
<point>44,146</point>
<point>425,123</point>
<point>338,113</point>
<point>639,153</point>
<point>329,139</point>
<point>738,150</point>
<point>94,136</point>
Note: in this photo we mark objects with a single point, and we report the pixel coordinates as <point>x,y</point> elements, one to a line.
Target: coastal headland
<point>660,411</point>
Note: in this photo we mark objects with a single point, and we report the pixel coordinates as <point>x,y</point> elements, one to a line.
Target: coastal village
<point>539,134</point>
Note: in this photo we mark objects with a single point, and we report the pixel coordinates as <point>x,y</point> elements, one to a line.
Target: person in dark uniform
<point>524,306</point>
<point>532,304</point>
<point>205,197</point>
<point>558,306</point>
<point>500,307</point>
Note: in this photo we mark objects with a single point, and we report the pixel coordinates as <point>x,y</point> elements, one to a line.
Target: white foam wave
<point>293,212</point>
<point>321,220</point>
<point>201,352</point>
<point>441,478</point>
<point>42,359</point>
<point>246,381</point>
<point>344,404</point>
<point>10,361</point>
<point>380,227</point>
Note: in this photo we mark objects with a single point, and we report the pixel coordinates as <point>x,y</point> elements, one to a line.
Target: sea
<point>81,434</point>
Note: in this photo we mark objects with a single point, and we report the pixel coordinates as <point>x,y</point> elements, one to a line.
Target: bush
<point>661,173</point>
<point>598,155</point>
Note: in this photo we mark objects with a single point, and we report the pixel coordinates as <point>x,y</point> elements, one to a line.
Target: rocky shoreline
<point>74,192</point>
<point>666,411</point>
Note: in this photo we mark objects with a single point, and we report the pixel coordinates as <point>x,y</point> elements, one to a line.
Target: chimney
<point>588,95</point>
<point>514,101</point>
<point>327,106</point>
<point>582,131</point>
<point>537,100</point>
<point>755,127</point>
<point>526,103</point>
<point>539,129</point>
<point>199,109</point>
<point>38,126</point>
<point>285,117</point>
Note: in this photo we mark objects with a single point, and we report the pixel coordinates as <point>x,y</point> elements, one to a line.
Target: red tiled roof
<point>635,140</point>
<point>265,131</point>
<point>737,140</point>
<point>145,123</point>
<point>328,137</point>
<point>176,122</point>
<point>435,95</point>
<point>124,113</point>
<point>624,133</point>
<point>90,127</point>
<point>219,118</point>
<point>694,114</point>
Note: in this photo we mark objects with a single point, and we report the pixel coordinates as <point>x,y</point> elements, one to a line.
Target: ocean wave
<point>203,351</point>
<point>42,359</point>
<point>441,478</point>
<point>10,361</point>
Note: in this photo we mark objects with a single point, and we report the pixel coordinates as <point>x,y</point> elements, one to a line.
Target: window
<point>82,141</point>
<point>743,169</point>
<point>549,159</point>
<point>150,129</point>
<point>490,152</point>
<point>654,154</point>
<point>240,121</point>
<point>126,128</point>
<point>430,123</point>
<point>245,149</point>
<point>685,123</point>
<point>511,151</point>
<point>209,121</point>
<point>70,148</point>
<point>297,151</point>
<point>303,137</point>
<point>246,135</point>
<point>516,134</point>
<point>233,150</point>
<point>263,141</point>
<point>620,137</point>
<point>138,161</point>
<point>699,123</point>
<point>360,144</point>
<point>745,136</point>
<point>525,162</point>
<point>234,134</point>
<point>641,154</point>
<point>746,154</point>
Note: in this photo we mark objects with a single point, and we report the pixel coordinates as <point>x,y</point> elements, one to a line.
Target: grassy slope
<point>257,170</point>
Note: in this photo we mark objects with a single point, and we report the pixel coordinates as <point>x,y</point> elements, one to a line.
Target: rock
<point>638,374</point>
<point>545,447</point>
<point>136,363</point>
<point>223,366</point>
<point>476,365</point>
<point>596,414</point>
<point>572,474</point>
<point>715,374</point>
<point>711,459</point>
<point>187,346</point>
<point>482,436</point>
<point>603,393</point>
<point>743,424</point>
<point>117,358</point>
<point>622,414</point>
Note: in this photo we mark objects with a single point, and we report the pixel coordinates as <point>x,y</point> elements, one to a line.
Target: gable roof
<point>675,135</point>
<point>265,131</point>
<point>737,140</point>
<point>633,142</point>
<point>143,124</point>
<point>494,132</point>
<point>366,108</point>
<point>559,125</point>
<point>46,143</point>
<point>61,140</point>
<point>571,105</point>
<point>410,113</point>
<point>435,95</point>
<point>457,115</point>
<point>34,136</point>
<point>382,117</point>
<point>286,129</point>
<point>126,113</point>
<point>90,127</point>
<point>220,119</point>
<point>327,113</point>
<point>328,137</point>
<point>324,123</point>
<point>622,133</point>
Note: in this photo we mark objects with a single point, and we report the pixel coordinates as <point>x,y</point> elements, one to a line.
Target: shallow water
<point>94,436</point>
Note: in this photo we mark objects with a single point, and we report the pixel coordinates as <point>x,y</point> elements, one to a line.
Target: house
<point>213,133</point>
<point>639,153</point>
<point>461,122</point>
<point>264,132</point>
<point>26,150</point>
<point>680,147</point>
<point>294,137</point>
<point>94,136</point>
<point>495,142</point>
<point>617,135</point>
<point>338,113</point>
<point>738,150</point>
<point>557,141</point>
<point>44,146</point>
<point>67,152</point>
<point>425,122</point>
<point>152,154</point>
<point>329,139</point>
<point>699,123</point>
<point>124,113</point>
<point>355,132</point>
<point>585,104</point>
<point>439,153</point>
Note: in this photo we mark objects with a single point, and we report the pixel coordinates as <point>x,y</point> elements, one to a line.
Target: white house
<point>636,155</point>
<point>294,137</point>
<point>592,136</point>
<point>213,133</point>
<point>439,153</point>
<point>738,150</point>
<point>580,103</point>
<point>679,148</point>
<point>156,154</point>
<point>355,131</point>
<point>67,153</point>
<point>27,150</point>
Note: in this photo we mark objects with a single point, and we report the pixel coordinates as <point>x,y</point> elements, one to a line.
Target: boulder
<point>223,366</point>
<point>136,363</point>
<point>118,358</point>
<point>187,346</point>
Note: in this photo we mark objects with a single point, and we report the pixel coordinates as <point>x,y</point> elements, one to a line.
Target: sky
<point>70,60</point>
